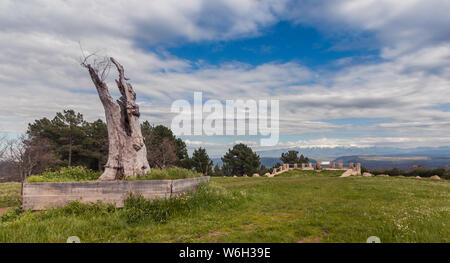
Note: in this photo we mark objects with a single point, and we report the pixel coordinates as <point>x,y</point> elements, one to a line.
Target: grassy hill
<point>297,206</point>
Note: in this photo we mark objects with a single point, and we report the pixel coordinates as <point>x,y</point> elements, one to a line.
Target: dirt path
<point>3,209</point>
<point>316,239</point>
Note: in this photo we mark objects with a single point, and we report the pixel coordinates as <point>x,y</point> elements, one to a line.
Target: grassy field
<point>297,206</point>
<point>9,194</point>
<point>81,174</point>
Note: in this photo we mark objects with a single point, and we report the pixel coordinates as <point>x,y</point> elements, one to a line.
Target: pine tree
<point>240,160</point>
<point>201,162</point>
<point>218,171</point>
<point>163,148</point>
<point>65,132</point>
<point>289,157</point>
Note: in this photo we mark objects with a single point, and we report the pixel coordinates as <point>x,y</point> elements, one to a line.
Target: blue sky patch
<point>282,42</point>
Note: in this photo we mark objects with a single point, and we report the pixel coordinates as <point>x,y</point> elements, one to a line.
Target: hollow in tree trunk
<point>127,155</point>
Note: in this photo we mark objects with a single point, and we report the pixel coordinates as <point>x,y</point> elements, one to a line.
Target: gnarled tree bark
<point>127,154</point>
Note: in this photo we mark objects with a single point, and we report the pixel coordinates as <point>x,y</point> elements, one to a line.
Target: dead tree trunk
<point>127,154</point>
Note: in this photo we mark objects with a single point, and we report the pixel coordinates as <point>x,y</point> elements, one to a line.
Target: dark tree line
<point>164,149</point>
<point>69,140</point>
<point>75,141</point>
<point>72,140</point>
<point>291,157</point>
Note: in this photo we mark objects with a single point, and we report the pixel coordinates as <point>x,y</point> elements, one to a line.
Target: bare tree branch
<point>100,64</point>
<point>27,154</point>
<point>3,147</point>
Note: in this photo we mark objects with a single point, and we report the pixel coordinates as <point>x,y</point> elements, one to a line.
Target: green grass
<point>81,174</point>
<point>65,174</point>
<point>297,206</point>
<point>167,174</point>
<point>10,194</point>
<point>297,173</point>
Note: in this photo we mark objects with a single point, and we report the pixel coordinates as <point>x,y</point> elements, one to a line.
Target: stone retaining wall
<point>39,196</point>
<point>316,167</point>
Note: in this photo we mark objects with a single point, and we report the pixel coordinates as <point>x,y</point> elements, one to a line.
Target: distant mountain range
<point>369,157</point>
<point>401,162</point>
<point>334,152</point>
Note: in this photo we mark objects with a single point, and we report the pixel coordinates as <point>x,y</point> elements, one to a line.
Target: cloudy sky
<point>347,73</point>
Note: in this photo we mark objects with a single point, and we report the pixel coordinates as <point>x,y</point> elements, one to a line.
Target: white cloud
<point>400,25</point>
<point>40,74</point>
<point>155,21</point>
